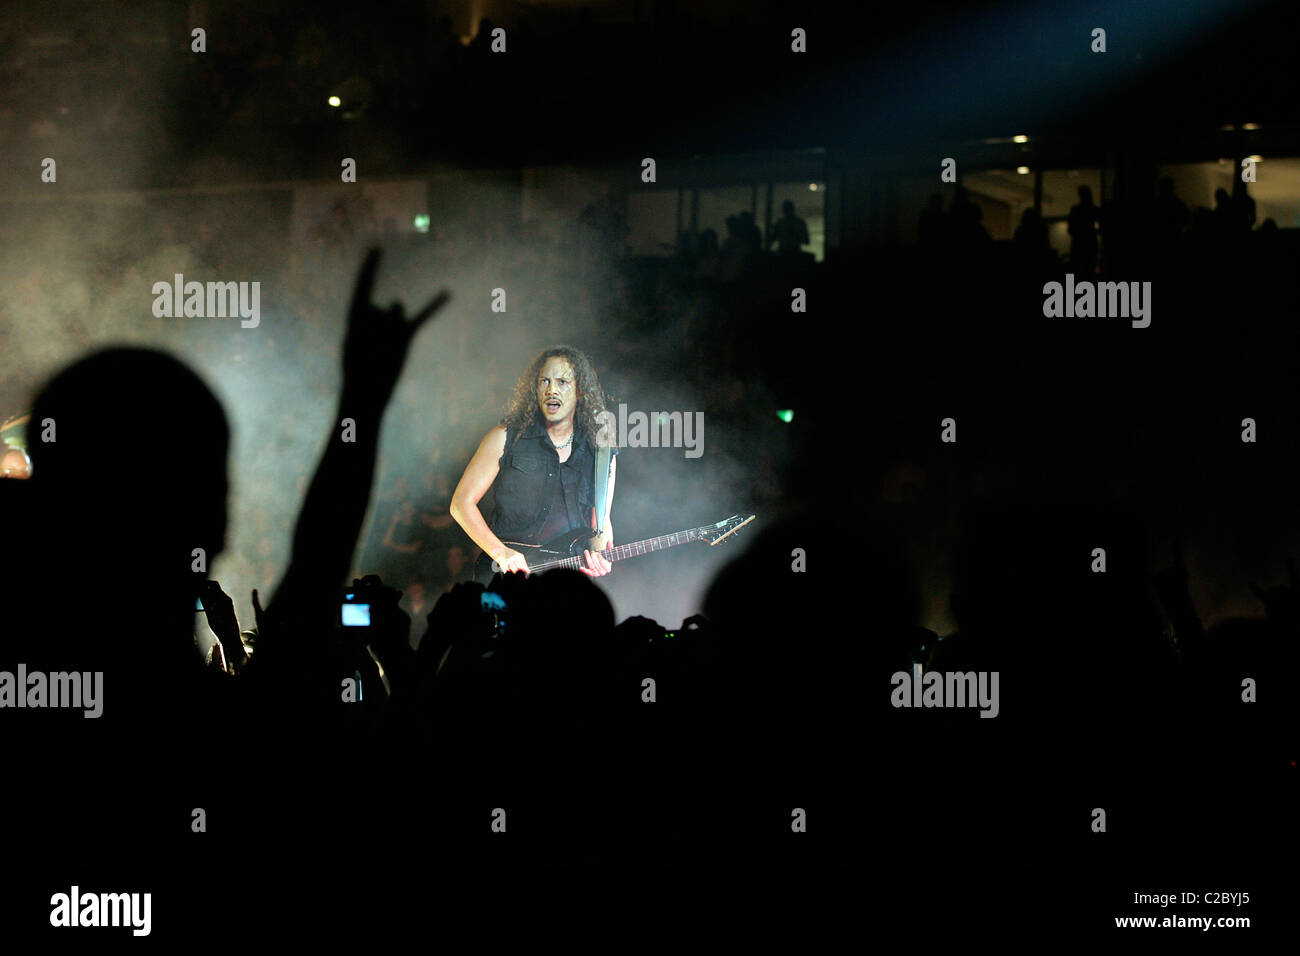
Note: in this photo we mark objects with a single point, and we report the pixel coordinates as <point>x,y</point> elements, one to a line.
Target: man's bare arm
<point>474,483</point>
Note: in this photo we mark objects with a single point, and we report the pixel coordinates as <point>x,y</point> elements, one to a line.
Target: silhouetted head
<point>811,600</point>
<point>559,640</point>
<point>1059,585</point>
<point>128,482</point>
<point>148,509</point>
<point>787,209</point>
<point>1221,196</point>
<point>583,605</point>
<point>1085,195</point>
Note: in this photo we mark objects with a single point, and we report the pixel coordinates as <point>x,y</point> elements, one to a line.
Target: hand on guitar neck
<point>596,564</point>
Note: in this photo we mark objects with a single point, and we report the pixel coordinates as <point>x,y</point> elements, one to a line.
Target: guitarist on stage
<point>541,463</point>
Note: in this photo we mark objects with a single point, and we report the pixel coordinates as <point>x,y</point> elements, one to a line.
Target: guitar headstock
<point>714,533</point>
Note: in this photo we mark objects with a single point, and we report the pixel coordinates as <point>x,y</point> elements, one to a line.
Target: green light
<point>422,222</point>
<point>786,415</point>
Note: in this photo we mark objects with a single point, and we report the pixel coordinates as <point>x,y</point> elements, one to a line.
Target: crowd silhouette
<point>298,732</point>
<point>1155,232</point>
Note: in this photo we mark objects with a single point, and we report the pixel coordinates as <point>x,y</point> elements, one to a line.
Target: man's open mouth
<point>553,406</point>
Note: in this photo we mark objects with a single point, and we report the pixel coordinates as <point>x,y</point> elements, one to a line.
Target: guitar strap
<point>603,455</point>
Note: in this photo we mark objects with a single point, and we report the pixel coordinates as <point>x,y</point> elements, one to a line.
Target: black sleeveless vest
<point>525,486</point>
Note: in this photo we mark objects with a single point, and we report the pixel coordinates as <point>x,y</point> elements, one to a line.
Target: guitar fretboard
<point>619,552</point>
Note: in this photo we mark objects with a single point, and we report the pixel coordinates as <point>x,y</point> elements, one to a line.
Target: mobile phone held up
<point>352,613</point>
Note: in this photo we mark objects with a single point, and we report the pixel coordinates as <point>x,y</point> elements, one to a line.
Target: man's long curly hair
<point>522,411</point>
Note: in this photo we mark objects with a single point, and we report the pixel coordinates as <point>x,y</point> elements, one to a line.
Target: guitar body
<point>570,544</point>
<point>565,550</point>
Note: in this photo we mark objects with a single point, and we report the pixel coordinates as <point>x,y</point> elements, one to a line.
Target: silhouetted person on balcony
<point>1245,206</point>
<point>1083,234</point>
<point>750,232</point>
<point>735,250</point>
<point>1032,247</point>
<point>967,234</point>
<point>1226,219</point>
<point>790,233</point>
<point>1031,233</point>
<point>709,256</point>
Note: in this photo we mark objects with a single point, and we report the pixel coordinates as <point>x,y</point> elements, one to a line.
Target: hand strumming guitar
<point>510,560</point>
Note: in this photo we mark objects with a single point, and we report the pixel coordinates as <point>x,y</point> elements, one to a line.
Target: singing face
<point>557,392</point>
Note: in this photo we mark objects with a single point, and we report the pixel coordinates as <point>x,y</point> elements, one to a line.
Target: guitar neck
<point>635,549</point>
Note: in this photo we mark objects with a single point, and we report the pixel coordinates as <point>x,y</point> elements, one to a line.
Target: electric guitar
<point>565,550</point>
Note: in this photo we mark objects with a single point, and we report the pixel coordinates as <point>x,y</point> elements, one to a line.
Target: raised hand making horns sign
<point>378,340</point>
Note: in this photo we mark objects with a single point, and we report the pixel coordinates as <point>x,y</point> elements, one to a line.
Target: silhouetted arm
<point>374,351</point>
